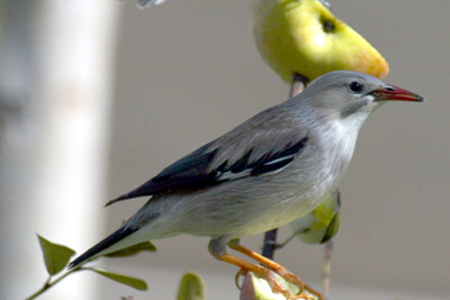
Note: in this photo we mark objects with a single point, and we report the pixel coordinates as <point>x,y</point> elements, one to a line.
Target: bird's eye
<point>356,87</point>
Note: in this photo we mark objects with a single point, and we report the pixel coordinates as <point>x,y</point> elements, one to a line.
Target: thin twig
<point>48,284</point>
<point>327,270</point>
<point>298,84</point>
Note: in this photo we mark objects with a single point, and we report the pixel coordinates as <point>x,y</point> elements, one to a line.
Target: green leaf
<point>192,287</point>
<point>56,257</point>
<point>136,283</point>
<point>132,250</point>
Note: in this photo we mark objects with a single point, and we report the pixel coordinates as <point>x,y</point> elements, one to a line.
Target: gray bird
<point>267,172</point>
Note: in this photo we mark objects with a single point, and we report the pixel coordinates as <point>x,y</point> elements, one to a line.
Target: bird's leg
<point>216,249</point>
<point>258,270</point>
<point>277,268</point>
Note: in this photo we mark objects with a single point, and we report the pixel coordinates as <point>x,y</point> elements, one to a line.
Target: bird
<point>267,172</point>
<point>304,37</point>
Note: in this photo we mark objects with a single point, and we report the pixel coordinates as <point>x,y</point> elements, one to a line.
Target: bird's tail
<point>103,246</point>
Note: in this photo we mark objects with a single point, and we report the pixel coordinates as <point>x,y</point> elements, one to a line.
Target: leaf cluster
<point>57,257</point>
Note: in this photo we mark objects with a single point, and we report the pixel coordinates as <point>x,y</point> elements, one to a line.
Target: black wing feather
<point>279,160</point>
<point>188,173</point>
<point>192,172</point>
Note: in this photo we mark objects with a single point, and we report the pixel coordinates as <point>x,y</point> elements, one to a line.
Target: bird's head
<point>352,96</point>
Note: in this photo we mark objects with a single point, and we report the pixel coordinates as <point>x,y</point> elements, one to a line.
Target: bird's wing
<point>232,157</point>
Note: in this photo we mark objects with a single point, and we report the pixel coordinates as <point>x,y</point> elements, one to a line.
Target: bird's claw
<point>241,272</point>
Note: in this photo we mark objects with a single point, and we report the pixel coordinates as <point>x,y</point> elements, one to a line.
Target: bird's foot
<point>278,269</point>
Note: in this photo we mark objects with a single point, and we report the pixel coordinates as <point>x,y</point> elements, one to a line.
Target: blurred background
<point>176,76</point>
